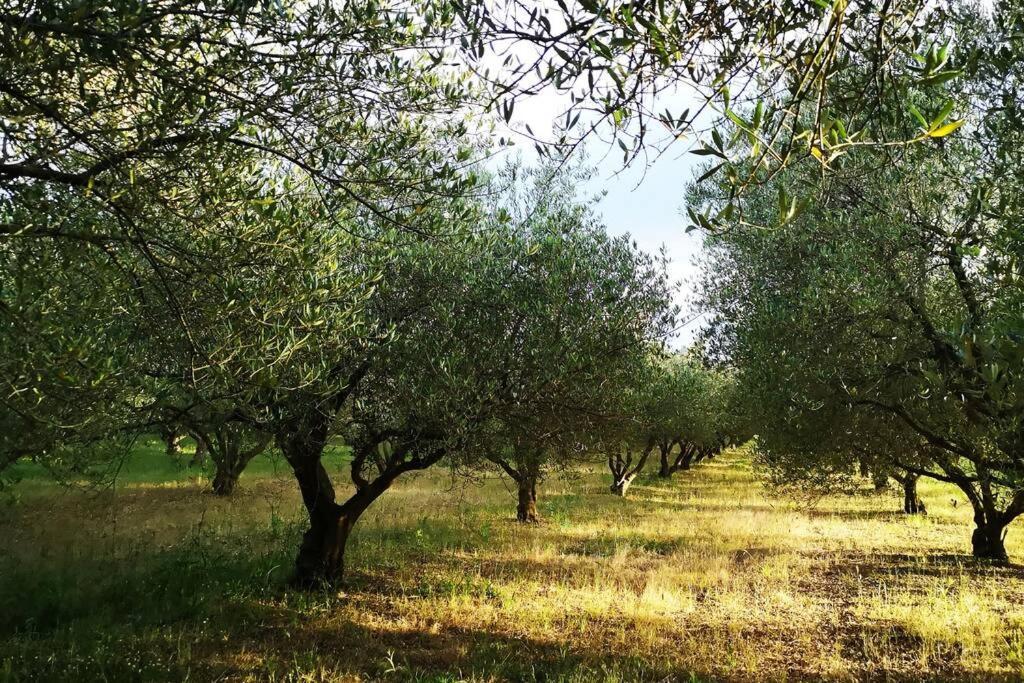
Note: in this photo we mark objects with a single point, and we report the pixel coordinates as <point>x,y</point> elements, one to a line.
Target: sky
<point>651,207</point>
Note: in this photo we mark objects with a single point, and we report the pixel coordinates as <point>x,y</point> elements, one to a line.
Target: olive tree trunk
<point>911,503</point>
<point>665,471</point>
<point>525,471</point>
<point>225,479</point>
<point>992,513</point>
<point>225,444</point>
<point>687,452</point>
<point>172,440</point>
<point>620,484</point>
<point>987,541</point>
<point>624,471</point>
<point>864,471</point>
<point>321,558</point>
<point>526,510</point>
<point>988,538</point>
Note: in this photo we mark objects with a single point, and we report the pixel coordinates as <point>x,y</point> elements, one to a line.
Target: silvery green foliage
<point>884,319</point>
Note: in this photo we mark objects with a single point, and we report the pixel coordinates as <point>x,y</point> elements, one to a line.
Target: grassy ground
<point>705,577</point>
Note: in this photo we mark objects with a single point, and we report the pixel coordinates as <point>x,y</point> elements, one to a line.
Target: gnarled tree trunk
<point>620,485</point>
<point>321,556</point>
<point>665,471</point>
<point>526,510</point>
<point>624,471</point>
<point>911,503</point>
<point>525,471</point>
<point>991,514</point>
<point>988,538</point>
<point>172,440</point>
<point>225,479</point>
<point>987,541</point>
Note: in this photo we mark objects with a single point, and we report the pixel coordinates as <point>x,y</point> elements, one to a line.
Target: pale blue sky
<point>651,208</point>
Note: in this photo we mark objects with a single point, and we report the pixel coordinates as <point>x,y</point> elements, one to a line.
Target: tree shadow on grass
<point>926,565</point>
<point>893,515</point>
<point>698,504</point>
<point>276,634</point>
<point>890,652</point>
<point>367,644</point>
<point>353,647</point>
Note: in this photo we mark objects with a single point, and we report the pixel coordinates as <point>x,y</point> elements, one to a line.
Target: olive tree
<point>592,307</point>
<point>231,444</point>
<point>138,140</point>
<point>629,440</point>
<point>891,293</point>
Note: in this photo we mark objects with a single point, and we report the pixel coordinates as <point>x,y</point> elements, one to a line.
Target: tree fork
<point>320,560</point>
<point>665,471</point>
<point>225,479</point>
<point>623,473</point>
<point>526,476</point>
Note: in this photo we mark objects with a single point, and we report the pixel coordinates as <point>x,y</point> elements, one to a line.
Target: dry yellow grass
<point>707,576</point>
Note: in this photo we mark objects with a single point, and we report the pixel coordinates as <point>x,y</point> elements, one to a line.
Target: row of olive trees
<point>278,254</point>
<point>143,140</point>
<point>135,133</point>
<point>506,340</point>
<point>878,317</point>
<point>679,408</point>
<point>671,403</point>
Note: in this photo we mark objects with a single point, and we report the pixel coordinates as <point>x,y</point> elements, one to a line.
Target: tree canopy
<point>885,316</point>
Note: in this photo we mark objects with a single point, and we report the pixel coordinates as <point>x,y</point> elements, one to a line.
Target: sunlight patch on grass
<point>954,618</point>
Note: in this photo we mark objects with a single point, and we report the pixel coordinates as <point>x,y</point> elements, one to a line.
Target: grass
<point>148,463</point>
<point>704,577</point>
